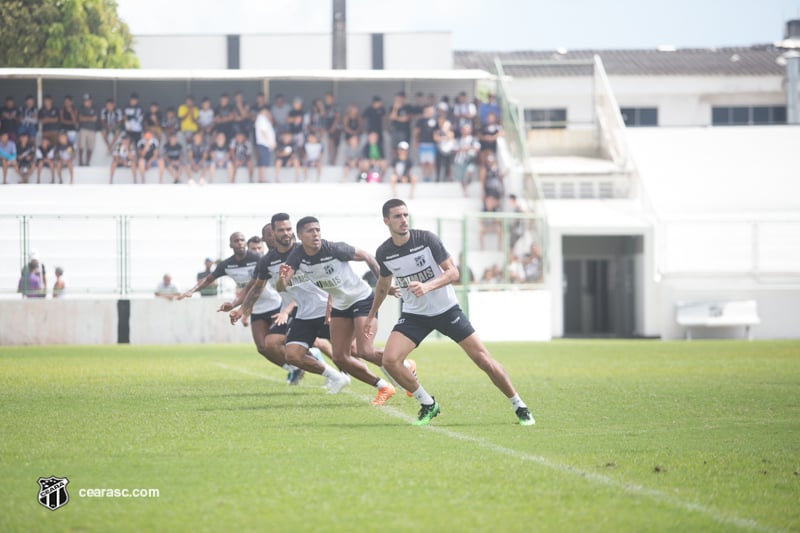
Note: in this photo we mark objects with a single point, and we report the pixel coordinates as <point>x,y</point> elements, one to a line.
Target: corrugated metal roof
<point>757,60</point>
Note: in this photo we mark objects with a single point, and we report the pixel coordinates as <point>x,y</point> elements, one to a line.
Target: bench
<point>717,314</point>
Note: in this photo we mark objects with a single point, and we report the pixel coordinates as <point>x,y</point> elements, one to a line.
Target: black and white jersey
<point>311,301</point>
<point>417,260</point>
<point>173,152</point>
<point>330,270</point>
<point>241,271</point>
<point>133,117</point>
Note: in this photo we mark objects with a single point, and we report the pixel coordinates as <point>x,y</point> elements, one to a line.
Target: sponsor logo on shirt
<point>421,276</point>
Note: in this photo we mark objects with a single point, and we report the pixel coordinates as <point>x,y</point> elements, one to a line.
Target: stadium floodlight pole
<point>791,58</point>
<point>339,35</point>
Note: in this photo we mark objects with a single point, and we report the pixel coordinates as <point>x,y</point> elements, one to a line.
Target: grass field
<point>630,436</point>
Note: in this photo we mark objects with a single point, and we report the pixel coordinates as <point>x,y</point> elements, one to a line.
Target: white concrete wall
<point>181,51</point>
<point>47,321</point>
<point>285,51</point>
<point>417,51</point>
<point>511,315</point>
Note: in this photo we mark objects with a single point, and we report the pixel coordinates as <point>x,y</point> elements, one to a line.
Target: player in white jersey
<point>327,265</point>
<point>424,272</point>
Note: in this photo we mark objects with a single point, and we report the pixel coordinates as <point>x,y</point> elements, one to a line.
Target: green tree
<point>64,33</point>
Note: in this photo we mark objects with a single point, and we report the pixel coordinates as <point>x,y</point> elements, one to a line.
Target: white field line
<point>630,488</point>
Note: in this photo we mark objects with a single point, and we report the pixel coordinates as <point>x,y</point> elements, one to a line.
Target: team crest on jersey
<point>53,492</point>
<point>329,269</point>
<point>420,260</point>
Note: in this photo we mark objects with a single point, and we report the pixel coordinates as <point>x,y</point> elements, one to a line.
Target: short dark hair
<point>255,238</point>
<point>390,204</point>
<point>303,222</point>
<point>278,217</point>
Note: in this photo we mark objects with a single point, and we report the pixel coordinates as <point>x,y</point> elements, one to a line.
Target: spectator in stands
<point>87,130</point>
<point>492,195</point>
<point>352,157</point>
<point>225,116</point>
<point>445,139</point>
<point>286,155</point>
<point>460,266</point>
<point>29,118</point>
<point>111,120</point>
<point>206,119</point>
<point>280,113</point>
<point>9,119</point>
<point>265,141</point>
<point>516,227</point>
<point>33,281</point>
<point>443,110</point>
<point>166,289</point>
<point>173,157</point>
<point>466,157</point>
<point>147,155</point>
<point>241,155</point>
<point>188,118</point>
<point>256,245</point>
<point>314,119</point>
<point>423,138</point>
<point>464,113</point>
<point>294,125</point>
<point>493,274</point>
<point>515,269</point>
<point>333,126</point>
<point>219,156</point>
<point>48,118</point>
<point>197,158</point>
<point>488,107</point>
<point>212,288</point>
<point>399,121</point>
<point>242,111</point>
<point>68,121</point>
<point>152,121</point>
<point>60,285</point>
<point>418,106</point>
<point>372,154</point>
<point>401,170</point>
<point>312,151</point>
<point>45,157</point>
<point>170,123</point>
<point>8,154</point>
<point>373,118</point>
<point>133,117</point>
<point>352,124</point>
<point>123,155</point>
<point>26,156</point>
<point>65,157</point>
<point>261,101</point>
<point>532,264</point>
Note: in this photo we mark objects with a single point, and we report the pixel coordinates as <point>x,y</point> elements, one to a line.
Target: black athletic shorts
<point>360,308</point>
<point>266,317</point>
<point>306,331</point>
<point>453,323</point>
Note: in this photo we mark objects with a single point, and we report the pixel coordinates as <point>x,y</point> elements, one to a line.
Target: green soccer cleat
<point>427,412</point>
<point>525,417</point>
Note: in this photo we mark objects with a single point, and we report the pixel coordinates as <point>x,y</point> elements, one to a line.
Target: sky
<point>486,24</point>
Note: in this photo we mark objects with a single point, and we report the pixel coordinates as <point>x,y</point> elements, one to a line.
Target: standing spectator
<point>212,288</point>
<point>352,157</point>
<point>372,155</point>
<point>188,117</point>
<point>280,112</point>
<point>87,130</point>
<point>261,101</point>
<point>242,111</point>
<point>29,118</point>
<point>8,154</point>
<point>314,119</point>
<point>173,157</point>
<point>352,124</point>
<point>170,123</point>
<point>219,156</point>
<point>33,281</point>
<point>418,106</point>
<point>123,155</point>
<point>492,195</point>
<point>111,120</point>
<point>241,155</point>
<point>9,119</point>
<point>516,226</point>
<point>197,158</point>
<point>60,284</point>
<point>68,119</point>
<point>225,116</point>
<point>152,121</point>
<point>373,118</point>
<point>445,139</point>
<point>166,289</point>
<point>489,133</point>
<point>286,155</point>
<point>26,157</point>
<point>423,138</point>
<point>48,118</point>
<point>206,119</point>
<point>464,113</point>
<point>400,121</point>
<point>265,142</point>
<point>313,155</point>
<point>65,157</point>
<point>134,118</point>
<point>147,154</point>
<point>294,125</point>
<point>333,126</point>
<point>467,149</point>
<point>401,170</point>
<point>488,107</point>
<point>45,157</point>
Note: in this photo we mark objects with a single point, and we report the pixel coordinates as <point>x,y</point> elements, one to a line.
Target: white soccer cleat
<point>341,381</point>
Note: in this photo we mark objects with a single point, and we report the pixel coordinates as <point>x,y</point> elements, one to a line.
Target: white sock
<point>422,396</point>
<point>516,402</point>
<point>330,372</point>
<point>381,383</point>
<point>289,368</point>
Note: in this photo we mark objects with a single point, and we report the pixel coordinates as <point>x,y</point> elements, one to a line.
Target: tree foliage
<point>64,33</point>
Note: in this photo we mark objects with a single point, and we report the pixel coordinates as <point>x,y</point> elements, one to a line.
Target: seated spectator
<point>466,157</point>
<point>225,117</point>
<point>492,195</point>
<point>197,159</point>
<point>516,226</point>
<point>173,157</point>
<point>219,157</point>
<point>372,153</point>
<point>147,154</point>
<point>401,170</point>
<point>123,155</point>
<point>60,284</point>
<point>206,119</point>
<point>152,120</point>
<point>68,120</point>
<point>515,269</point>
<point>64,157</point>
<point>48,118</point>
<point>241,156</point>
<point>280,113</point>
<point>532,264</point>
<point>8,154</point>
<point>285,155</point>
<point>294,125</point>
<point>313,155</point>
<point>87,130</point>
<point>445,139</point>
<point>33,281</point>
<point>9,119</point>
<point>352,157</point>
<point>170,123</point>
<point>492,275</point>
<point>314,119</point>
<point>352,123</point>
<point>424,128</point>
<point>26,157</point>
<point>29,118</point>
<point>212,288</point>
<point>488,135</point>
<point>133,117</point>
<point>242,111</point>
<point>188,117</point>
<point>166,289</point>
<point>45,157</point>
<point>111,120</point>
<point>333,126</point>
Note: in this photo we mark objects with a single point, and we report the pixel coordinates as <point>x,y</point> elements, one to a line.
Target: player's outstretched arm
<point>285,274</point>
<point>449,275</point>
<point>202,284</point>
<point>361,255</point>
<point>247,298</point>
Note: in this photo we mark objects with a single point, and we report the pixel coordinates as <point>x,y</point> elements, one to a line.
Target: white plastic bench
<point>717,314</point>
